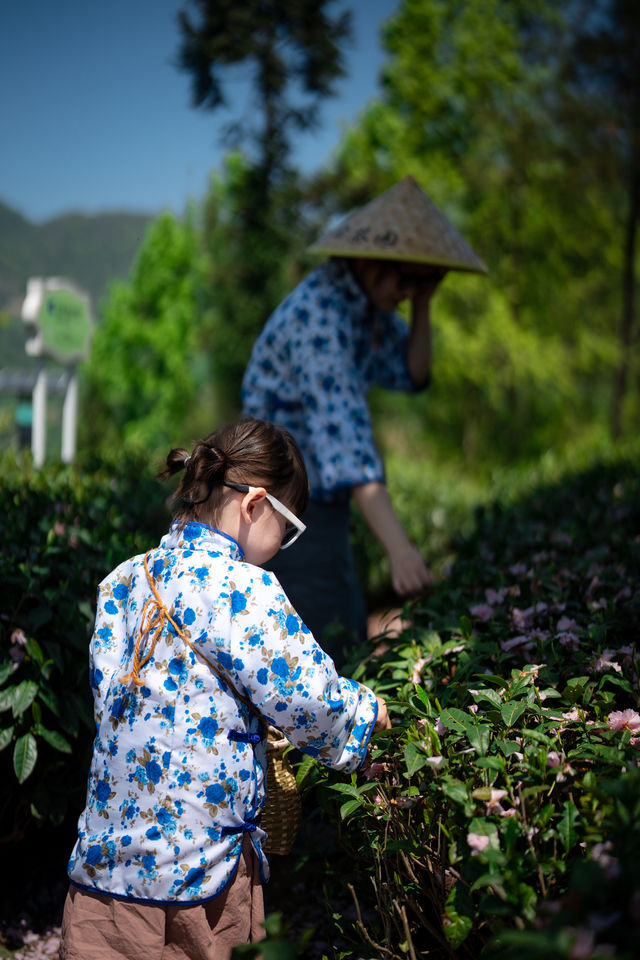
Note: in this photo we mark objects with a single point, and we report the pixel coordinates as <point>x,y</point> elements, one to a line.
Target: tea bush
<point>500,815</point>
<point>62,531</point>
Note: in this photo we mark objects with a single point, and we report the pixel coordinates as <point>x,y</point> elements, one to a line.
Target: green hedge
<point>62,531</point>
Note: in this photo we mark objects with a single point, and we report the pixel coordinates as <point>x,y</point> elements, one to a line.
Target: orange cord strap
<point>154,617</point>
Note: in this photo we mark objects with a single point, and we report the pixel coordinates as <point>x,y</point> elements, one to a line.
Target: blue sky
<point>95,117</point>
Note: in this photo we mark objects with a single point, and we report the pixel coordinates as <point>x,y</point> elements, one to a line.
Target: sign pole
<point>60,315</point>
<point>39,428</point>
<point>70,417</point>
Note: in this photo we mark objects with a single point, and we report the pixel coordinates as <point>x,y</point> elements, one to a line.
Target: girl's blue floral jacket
<point>177,774</point>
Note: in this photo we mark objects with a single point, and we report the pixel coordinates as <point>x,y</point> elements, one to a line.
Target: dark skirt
<point>318,575</point>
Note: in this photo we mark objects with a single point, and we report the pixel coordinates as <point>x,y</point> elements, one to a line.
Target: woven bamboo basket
<point>282,810</point>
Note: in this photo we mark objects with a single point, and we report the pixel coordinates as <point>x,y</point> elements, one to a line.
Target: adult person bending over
<point>325,346</point>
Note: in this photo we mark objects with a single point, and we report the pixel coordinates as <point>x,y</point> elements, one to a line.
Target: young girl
<point>194,647</point>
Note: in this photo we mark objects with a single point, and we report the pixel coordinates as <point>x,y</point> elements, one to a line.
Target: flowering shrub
<point>500,815</point>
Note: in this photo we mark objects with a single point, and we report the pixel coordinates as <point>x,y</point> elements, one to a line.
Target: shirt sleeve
<point>274,660</point>
<point>391,334</point>
<point>333,395</point>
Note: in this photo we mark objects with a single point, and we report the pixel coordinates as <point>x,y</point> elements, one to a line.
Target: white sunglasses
<point>295,527</point>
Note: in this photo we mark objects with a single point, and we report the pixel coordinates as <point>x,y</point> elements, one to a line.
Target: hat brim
<point>402,224</point>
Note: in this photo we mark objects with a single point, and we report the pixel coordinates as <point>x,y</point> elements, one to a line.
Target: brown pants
<point>97,927</point>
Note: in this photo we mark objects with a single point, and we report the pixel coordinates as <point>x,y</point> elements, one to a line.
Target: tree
<point>145,373</point>
<point>284,45</point>
<point>603,74</point>
<point>254,212</point>
<point>472,107</point>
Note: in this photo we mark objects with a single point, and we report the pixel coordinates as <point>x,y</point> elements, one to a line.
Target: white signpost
<point>61,316</point>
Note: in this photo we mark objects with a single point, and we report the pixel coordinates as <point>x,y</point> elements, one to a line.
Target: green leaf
<point>455,790</point>
<point>479,737</point>
<point>306,765</point>
<point>511,711</point>
<point>24,696</point>
<point>349,807</point>
<point>418,705</point>
<point>6,669</point>
<point>491,763</point>
<point>34,650</point>
<point>509,747</point>
<point>55,740</point>
<point>488,694</point>
<point>415,758</point>
<point>538,737</point>
<point>459,916</point>
<point>5,737</point>
<point>456,720</point>
<point>25,754</point>
<point>7,697</point>
<point>51,701</point>
<point>567,825</point>
<point>422,694</point>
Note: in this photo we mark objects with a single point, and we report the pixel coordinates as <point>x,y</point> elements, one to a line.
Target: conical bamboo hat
<point>401,224</point>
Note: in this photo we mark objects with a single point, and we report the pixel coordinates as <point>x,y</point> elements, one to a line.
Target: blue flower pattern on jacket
<point>312,367</point>
<point>166,779</point>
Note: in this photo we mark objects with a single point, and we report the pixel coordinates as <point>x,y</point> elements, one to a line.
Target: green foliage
<point>62,532</point>
<point>252,243</point>
<point>475,106</point>
<point>145,371</point>
<point>501,799</point>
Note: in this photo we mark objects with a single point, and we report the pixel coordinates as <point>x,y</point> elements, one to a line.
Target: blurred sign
<point>61,314</point>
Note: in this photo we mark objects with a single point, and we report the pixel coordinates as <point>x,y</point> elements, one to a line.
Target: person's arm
<point>409,573</point>
<point>418,350</point>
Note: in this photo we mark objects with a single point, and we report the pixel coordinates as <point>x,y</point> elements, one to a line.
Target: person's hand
<point>409,573</point>
<point>382,722</point>
<point>428,285</point>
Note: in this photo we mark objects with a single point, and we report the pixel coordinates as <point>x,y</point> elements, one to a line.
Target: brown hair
<point>247,451</point>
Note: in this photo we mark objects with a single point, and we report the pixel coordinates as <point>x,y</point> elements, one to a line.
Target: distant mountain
<point>92,250</point>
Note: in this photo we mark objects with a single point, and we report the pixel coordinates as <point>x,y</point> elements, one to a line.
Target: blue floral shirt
<point>311,368</point>
<point>178,768</point>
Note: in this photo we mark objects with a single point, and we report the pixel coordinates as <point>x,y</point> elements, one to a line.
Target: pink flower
<point>374,771</point>
<point>574,715</point>
<point>477,842</point>
<point>494,801</point>
<point>417,669</point>
<point>517,569</point>
<point>522,619</point>
<point>566,624</point>
<point>554,759</point>
<point>18,638</point>
<point>440,727</point>
<point>606,662</point>
<point>568,640</point>
<point>624,720</point>
<point>435,761</point>
<point>583,944</point>
<point>481,611</point>
<point>494,597</point>
<point>519,641</point>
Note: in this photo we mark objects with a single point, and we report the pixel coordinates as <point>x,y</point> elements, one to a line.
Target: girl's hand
<point>382,722</point>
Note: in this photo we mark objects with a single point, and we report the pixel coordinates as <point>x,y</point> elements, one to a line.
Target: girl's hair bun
<point>177,459</point>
